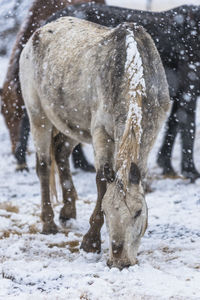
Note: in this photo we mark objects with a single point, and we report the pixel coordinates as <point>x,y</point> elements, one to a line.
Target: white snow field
<point>36,266</point>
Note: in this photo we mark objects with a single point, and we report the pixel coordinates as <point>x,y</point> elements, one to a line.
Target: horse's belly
<point>71,121</point>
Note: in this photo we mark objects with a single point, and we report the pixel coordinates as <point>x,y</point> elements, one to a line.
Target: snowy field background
<point>35,266</point>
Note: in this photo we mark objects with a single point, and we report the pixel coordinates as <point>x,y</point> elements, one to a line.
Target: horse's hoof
<point>166,166</point>
<point>169,172</point>
<point>89,244</point>
<point>67,212</point>
<point>22,167</point>
<point>50,228</point>
<point>192,175</point>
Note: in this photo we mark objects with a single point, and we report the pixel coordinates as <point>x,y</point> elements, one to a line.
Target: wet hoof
<point>91,244</point>
<point>50,228</point>
<point>22,167</point>
<point>169,172</point>
<point>121,264</point>
<point>67,212</point>
<point>118,265</point>
<point>191,174</point>
<point>166,167</point>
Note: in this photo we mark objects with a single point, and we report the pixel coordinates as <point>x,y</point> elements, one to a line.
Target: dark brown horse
<point>12,101</point>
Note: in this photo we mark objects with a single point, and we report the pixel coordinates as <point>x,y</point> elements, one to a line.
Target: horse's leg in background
<point>63,146</point>
<point>21,148</point>
<point>165,152</point>
<point>186,117</point>
<point>103,159</point>
<point>181,119</point>
<point>12,118</point>
<point>80,161</point>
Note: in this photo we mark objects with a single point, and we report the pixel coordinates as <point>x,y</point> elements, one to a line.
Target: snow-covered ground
<point>36,266</point>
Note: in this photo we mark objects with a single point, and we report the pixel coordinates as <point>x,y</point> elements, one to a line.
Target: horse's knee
<point>42,166</point>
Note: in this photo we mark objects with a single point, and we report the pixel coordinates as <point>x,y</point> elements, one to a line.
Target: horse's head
<point>126,218</point>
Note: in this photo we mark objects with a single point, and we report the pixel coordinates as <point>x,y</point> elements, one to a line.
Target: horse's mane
<point>130,142</point>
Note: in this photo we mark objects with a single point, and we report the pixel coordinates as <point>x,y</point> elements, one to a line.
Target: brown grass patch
<point>167,250</point>
<point>78,234</point>
<point>33,229</point>
<point>9,207</point>
<point>6,234</point>
<point>5,216</point>
<point>197,267</point>
<point>73,246</point>
<point>84,296</point>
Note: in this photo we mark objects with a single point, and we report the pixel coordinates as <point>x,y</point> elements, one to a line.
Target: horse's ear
<point>134,174</point>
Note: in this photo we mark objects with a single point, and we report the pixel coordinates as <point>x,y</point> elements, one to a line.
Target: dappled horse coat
<point>176,34</point>
<point>12,101</point>
<point>85,82</point>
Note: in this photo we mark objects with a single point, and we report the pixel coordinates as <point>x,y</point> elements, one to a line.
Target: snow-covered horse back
<point>85,82</point>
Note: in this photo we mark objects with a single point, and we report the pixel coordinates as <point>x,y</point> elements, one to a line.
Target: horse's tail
<point>52,180</point>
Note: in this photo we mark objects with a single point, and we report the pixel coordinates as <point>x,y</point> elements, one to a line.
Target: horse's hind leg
<point>41,130</point>
<point>63,146</point>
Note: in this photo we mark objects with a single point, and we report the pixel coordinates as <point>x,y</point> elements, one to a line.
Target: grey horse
<point>82,82</point>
